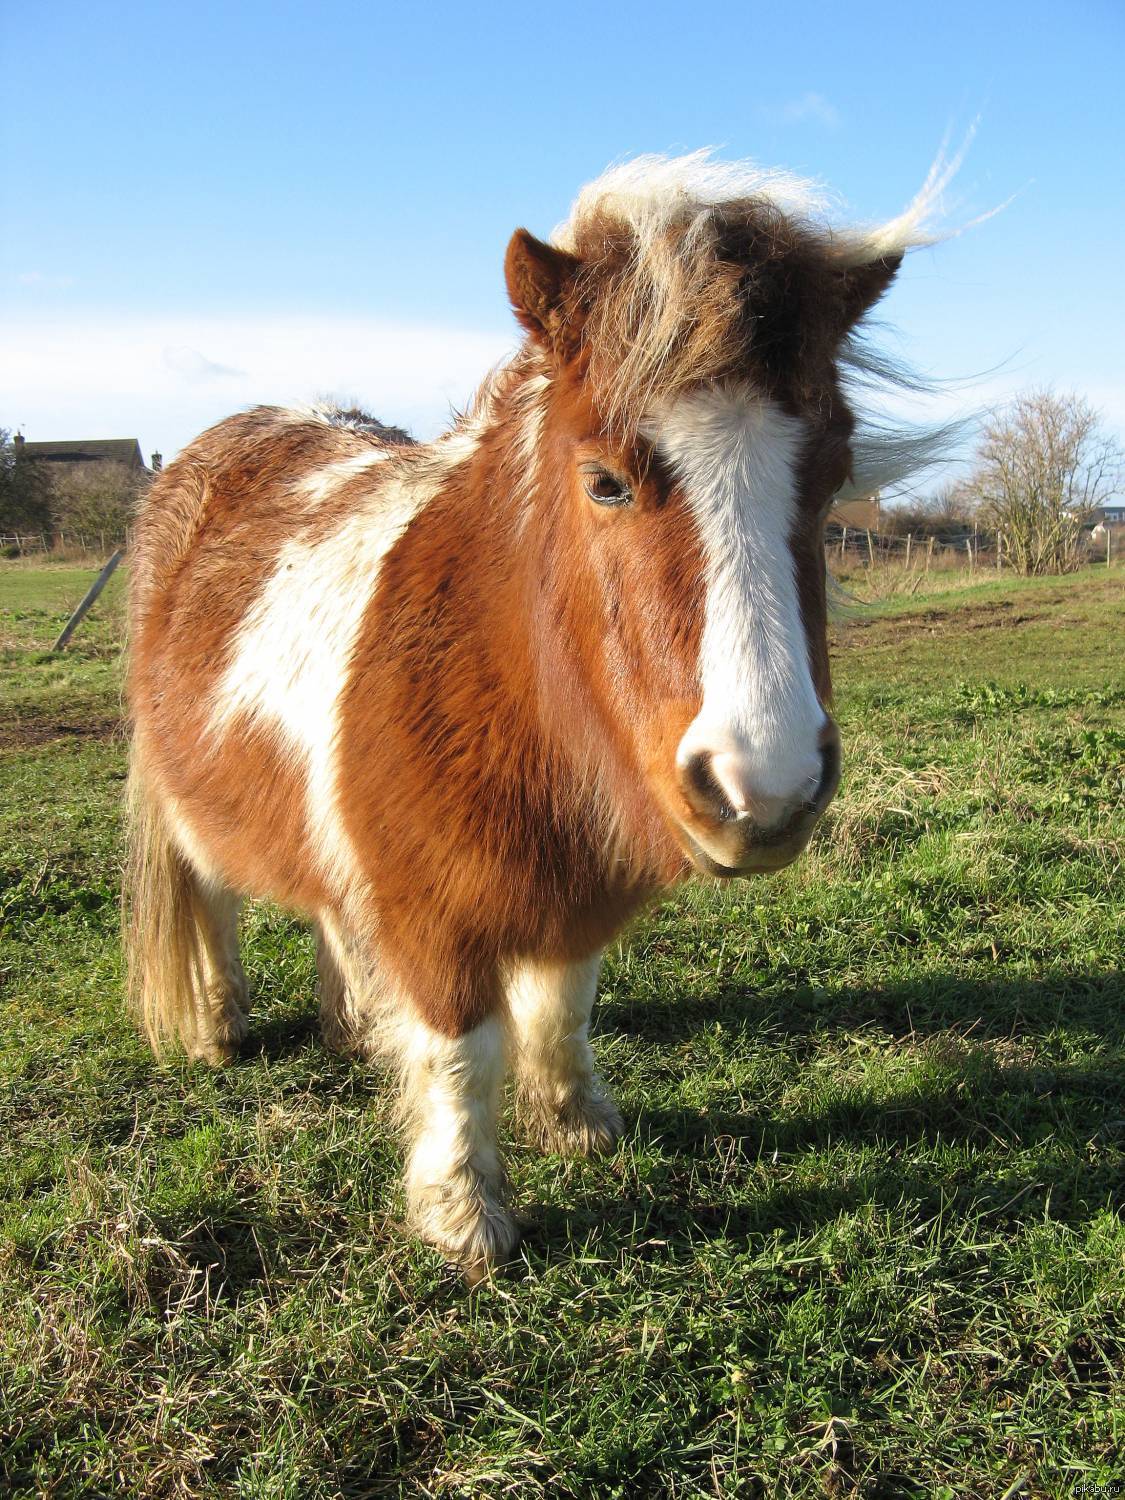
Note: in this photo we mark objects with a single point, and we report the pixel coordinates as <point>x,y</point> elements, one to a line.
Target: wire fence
<point>61,545</point>
<point>843,546</point>
<point>971,550</point>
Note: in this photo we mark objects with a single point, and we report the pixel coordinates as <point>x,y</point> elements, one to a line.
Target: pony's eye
<point>605,488</point>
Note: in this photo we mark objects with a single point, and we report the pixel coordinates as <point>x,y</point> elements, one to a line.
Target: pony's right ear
<point>540,278</point>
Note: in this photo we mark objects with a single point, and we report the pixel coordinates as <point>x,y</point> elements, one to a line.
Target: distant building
<point>1110,515</point>
<point>124,451</point>
<point>857,515</point>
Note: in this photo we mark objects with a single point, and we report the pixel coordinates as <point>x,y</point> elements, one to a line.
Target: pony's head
<point>684,422</point>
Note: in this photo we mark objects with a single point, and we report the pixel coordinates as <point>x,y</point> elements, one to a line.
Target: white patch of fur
<point>316,486</point>
<point>291,659</point>
<point>530,403</point>
<point>735,454</point>
<point>530,407</point>
<point>561,1095</point>
<point>184,837</point>
<point>454,1179</point>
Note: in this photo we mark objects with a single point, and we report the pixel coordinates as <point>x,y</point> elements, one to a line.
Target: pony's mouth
<point>757,856</point>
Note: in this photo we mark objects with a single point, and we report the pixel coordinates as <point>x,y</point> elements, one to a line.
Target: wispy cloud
<point>114,375</point>
<point>43,280</point>
<point>195,366</point>
<point>809,109</point>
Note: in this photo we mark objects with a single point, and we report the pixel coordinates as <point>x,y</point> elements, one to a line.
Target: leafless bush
<point>949,509</point>
<point>95,498</point>
<point>1044,467</point>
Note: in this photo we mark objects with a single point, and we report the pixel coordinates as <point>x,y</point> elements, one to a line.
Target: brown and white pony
<point>469,704</point>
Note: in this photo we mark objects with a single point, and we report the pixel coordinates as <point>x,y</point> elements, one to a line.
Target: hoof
<point>349,1041</point>
<point>468,1224</point>
<point>219,1047</point>
<point>588,1125</point>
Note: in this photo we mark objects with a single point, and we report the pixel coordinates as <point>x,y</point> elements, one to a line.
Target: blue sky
<point>211,205</point>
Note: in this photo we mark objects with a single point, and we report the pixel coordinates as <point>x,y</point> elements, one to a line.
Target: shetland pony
<point>469,704</point>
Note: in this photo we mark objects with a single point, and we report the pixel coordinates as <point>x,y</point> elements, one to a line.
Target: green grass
<point>864,1236</point>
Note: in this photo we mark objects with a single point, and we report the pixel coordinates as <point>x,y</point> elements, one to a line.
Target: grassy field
<point>864,1236</point>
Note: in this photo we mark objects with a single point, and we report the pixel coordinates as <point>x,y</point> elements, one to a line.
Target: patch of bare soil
<point>1001,615</point>
<point>997,614</point>
<point>29,730</point>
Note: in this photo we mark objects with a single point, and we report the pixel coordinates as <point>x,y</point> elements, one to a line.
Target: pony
<point>469,704</point>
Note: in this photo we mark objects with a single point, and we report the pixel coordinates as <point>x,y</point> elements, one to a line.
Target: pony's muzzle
<point>734,827</point>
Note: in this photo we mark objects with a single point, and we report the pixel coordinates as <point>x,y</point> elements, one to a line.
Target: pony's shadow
<point>1066,1121</point>
<point>936,1003</point>
<point>279,1036</point>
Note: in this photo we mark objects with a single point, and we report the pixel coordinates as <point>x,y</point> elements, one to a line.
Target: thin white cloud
<point>196,366</point>
<point>43,281</point>
<point>115,376</point>
<point>810,108</point>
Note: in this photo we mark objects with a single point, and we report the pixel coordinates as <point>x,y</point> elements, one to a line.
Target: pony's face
<point>691,437</point>
<point>693,563</point>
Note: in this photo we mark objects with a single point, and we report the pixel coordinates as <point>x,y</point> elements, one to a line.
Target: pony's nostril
<point>703,788</point>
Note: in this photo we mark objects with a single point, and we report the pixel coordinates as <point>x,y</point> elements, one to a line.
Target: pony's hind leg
<point>221,1020</point>
<point>561,1097</point>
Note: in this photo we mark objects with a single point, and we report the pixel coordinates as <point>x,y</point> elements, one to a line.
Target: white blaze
<point>735,455</point>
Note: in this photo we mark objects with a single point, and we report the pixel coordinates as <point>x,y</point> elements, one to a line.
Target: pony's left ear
<point>859,287</point>
<point>540,278</point>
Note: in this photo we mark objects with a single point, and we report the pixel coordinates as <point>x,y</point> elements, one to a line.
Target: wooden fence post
<point>969,550</point>
<point>929,552</point>
<point>843,542</point>
<point>909,539</point>
<point>999,549</point>
<point>870,549</point>
<point>95,589</point>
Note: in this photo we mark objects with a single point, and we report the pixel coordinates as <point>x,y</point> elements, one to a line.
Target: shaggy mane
<point>693,269</point>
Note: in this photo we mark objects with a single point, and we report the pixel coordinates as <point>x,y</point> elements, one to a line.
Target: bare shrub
<point>96,498</point>
<point>1044,467</point>
<point>949,510</point>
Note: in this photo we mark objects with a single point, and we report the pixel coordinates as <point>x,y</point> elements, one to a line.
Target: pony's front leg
<point>455,1185</point>
<point>561,1097</point>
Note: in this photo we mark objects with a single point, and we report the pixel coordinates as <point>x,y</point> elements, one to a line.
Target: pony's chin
<point>756,860</point>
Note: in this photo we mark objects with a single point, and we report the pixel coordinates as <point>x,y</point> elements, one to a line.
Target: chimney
<point>157,462</point>
<point>18,441</point>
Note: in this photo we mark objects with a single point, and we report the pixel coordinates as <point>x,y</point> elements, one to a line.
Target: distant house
<point>1109,515</point>
<point>857,515</point>
<point>124,451</point>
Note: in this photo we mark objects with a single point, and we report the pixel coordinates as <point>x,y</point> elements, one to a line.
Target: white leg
<point>221,1022</point>
<point>561,1096</point>
<point>454,1179</point>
